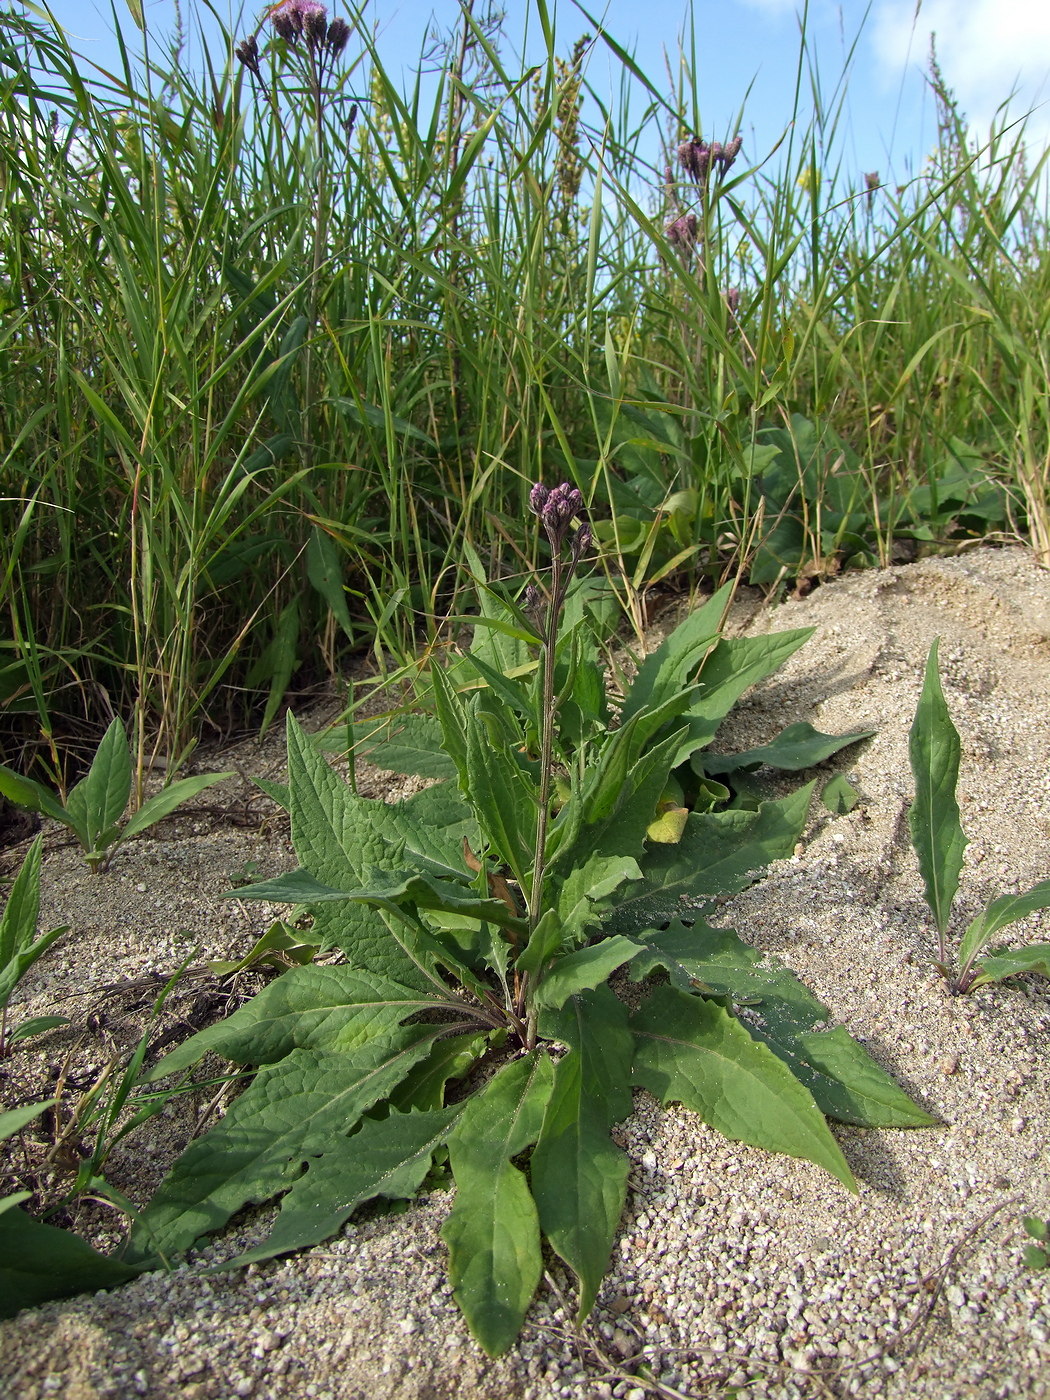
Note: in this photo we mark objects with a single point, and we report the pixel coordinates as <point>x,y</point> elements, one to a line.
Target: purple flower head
<point>292,18</point>
<point>682,232</point>
<point>699,158</point>
<point>563,506</point>
<point>694,158</point>
<point>338,34</point>
<point>557,509</point>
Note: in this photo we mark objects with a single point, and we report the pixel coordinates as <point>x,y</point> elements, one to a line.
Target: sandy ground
<point>733,1267</point>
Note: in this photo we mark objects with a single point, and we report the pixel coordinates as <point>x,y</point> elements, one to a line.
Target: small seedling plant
<point>576,839</point>
<point>20,947</point>
<point>94,807</point>
<point>939,841</point>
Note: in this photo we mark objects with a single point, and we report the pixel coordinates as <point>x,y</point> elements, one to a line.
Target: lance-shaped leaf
<point>730,668</point>
<point>339,838</point>
<point>936,830</point>
<point>391,890</point>
<point>1002,912</point>
<point>450,1058</point>
<point>584,969</point>
<point>493,1232</point>
<point>1011,962</point>
<point>320,1008</point>
<point>796,747</point>
<point>297,1109</point>
<point>692,1051</point>
<point>597,859</point>
<point>97,802</point>
<point>719,853</point>
<point>387,1157</point>
<point>163,803</point>
<point>503,799</point>
<point>579,1177</point>
<point>676,660</point>
<point>39,1262</point>
<point>401,743</point>
<point>780,1011</point>
<point>19,946</point>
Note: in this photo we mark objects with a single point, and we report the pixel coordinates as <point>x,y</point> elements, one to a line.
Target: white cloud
<point>987,49</point>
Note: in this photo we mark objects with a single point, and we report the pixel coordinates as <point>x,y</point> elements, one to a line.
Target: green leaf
<point>278,946</point>
<point>18,924</point>
<point>694,1052</point>
<point>839,795</point>
<point>297,1109</point>
<point>667,671</point>
<point>276,792</point>
<point>410,744</point>
<point>719,853</point>
<point>730,668</point>
<point>40,1262</point>
<point>13,1120</point>
<point>579,1177</point>
<point>334,1008</point>
<point>18,921</point>
<point>339,839</point>
<point>783,1013</point>
<point>1036,1228</point>
<point>453,718</point>
<point>503,800</point>
<point>98,801</point>
<point>165,802</point>
<point>25,792</point>
<point>492,1231</point>
<point>451,1058</point>
<point>1011,962</point>
<point>324,569</point>
<point>1002,912</point>
<point>544,941</point>
<point>936,830</point>
<point>36,1025</point>
<point>584,969</point>
<point>387,1157</point>
<point>796,747</point>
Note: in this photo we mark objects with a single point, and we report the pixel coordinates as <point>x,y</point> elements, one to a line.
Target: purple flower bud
<point>563,505</point>
<point>538,498</point>
<point>338,34</point>
<point>733,301</point>
<point>730,151</point>
<point>315,26</point>
<point>582,541</point>
<point>248,53</point>
<point>694,158</point>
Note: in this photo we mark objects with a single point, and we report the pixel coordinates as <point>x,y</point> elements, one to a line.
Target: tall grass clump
<point>286,340</point>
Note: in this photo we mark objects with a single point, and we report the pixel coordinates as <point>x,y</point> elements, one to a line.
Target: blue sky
<point>987,49</point>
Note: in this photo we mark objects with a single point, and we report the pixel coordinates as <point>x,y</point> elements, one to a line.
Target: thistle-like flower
<point>294,18</point>
<point>338,34</point>
<point>699,158</point>
<point>683,231</point>
<point>557,509</point>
